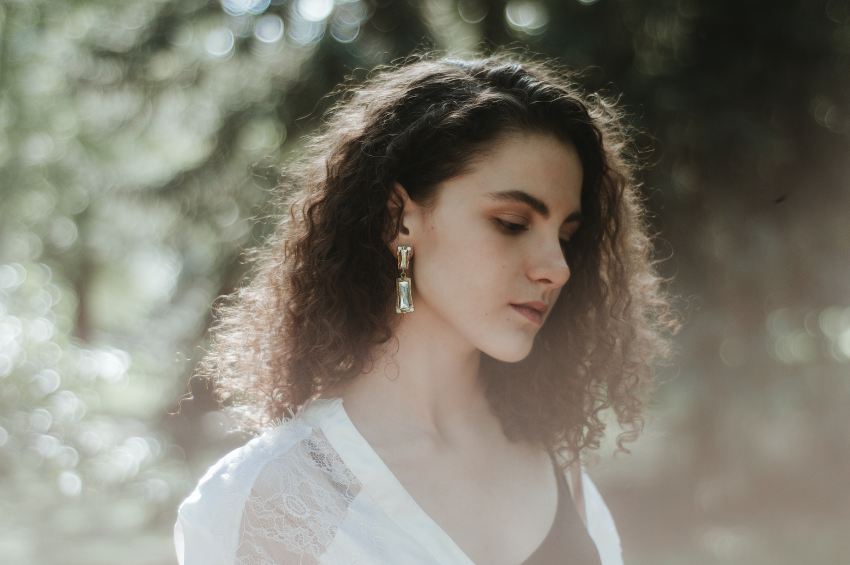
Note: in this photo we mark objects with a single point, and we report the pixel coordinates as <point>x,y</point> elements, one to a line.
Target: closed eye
<point>511,226</point>
<point>514,228</point>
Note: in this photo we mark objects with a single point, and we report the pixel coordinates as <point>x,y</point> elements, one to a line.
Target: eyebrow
<point>535,203</point>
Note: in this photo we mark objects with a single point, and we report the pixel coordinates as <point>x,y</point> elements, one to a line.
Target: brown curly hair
<point>322,291</point>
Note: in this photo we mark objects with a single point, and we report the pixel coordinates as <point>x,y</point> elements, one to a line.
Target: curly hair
<point>321,293</point>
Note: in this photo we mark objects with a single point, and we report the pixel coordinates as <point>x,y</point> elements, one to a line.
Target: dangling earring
<point>403,284</point>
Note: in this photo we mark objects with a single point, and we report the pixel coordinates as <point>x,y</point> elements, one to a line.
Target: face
<point>495,239</point>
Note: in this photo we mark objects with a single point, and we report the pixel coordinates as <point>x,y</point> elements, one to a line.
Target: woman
<point>462,283</point>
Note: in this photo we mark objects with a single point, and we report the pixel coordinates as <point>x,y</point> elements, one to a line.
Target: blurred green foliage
<point>139,142</point>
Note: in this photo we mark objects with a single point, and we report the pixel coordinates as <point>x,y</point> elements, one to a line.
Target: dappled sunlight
<point>142,143</point>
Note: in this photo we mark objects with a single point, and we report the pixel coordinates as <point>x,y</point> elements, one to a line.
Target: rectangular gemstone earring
<point>403,284</point>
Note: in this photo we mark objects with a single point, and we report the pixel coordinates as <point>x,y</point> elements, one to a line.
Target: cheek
<point>467,268</point>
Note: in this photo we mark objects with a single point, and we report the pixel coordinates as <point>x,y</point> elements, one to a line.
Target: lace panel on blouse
<point>296,505</point>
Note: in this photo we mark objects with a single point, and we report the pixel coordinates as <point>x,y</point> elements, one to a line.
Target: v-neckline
<point>382,485</point>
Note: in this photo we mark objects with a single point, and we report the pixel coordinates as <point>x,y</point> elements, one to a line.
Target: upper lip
<point>535,305</point>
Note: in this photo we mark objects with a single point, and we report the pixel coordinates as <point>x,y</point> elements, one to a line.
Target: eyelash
<point>514,228</point>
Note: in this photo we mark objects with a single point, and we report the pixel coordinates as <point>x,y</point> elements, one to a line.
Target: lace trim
<point>296,505</point>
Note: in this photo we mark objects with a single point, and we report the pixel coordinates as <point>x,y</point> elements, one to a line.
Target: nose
<point>549,266</point>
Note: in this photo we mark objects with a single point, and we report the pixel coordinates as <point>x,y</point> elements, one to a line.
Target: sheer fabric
<point>313,491</point>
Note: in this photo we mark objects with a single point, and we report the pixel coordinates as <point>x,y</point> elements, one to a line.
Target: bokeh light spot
<point>526,16</point>
<point>38,148</point>
<point>67,406</point>
<point>5,365</point>
<point>472,11</point>
<point>314,10</point>
<point>242,7</point>
<point>351,12</point>
<point>304,32</point>
<point>780,322</point>
<point>802,347</point>
<point>843,342</point>
<point>157,490</point>
<point>10,330</point>
<point>12,276</point>
<point>70,483</point>
<point>63,232</point>
<point>40,330</point>
<point>832,321</point>
<point>47,445</point>
<point>344,33</point>
<point>269,28</point>
<point>91,442</point>
<point>37,205</point>
<point>219,42</point>
<point>46,381</point>
<point>733,352</point>
<point>68,457</point>
<point>261,134</point>
<point>41,420</point>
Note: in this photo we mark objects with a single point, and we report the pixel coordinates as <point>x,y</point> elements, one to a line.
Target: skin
<point>421,404</point>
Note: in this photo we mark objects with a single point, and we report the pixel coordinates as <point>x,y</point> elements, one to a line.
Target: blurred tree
<point>140,142</point>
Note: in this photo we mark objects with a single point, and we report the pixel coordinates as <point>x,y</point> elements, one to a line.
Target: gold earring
<point>403,284</point>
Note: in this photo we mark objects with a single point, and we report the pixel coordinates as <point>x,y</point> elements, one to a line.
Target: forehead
<point>539,164</point>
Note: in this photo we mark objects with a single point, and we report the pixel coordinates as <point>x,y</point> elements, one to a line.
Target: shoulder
<point>208,519</point>
<point>277,499</point>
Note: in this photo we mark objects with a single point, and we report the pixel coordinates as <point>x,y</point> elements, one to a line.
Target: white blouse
<point>312,490</point>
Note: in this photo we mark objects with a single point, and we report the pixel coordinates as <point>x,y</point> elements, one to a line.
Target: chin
<point>512,352</point>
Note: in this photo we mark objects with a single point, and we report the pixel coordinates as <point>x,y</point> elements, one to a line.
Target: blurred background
<point>139,141</point>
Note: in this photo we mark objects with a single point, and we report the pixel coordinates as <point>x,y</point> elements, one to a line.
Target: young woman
<point>462,283</point>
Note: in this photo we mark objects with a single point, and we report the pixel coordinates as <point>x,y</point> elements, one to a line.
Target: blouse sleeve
<point>600,524</point>
<point>210,521</point>
<point>294,509</point>
<point>194,543</point>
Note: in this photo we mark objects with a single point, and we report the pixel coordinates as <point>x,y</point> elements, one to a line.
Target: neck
<point>422,386</point>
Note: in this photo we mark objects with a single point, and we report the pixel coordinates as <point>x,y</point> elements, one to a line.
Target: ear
<point>401,206</point>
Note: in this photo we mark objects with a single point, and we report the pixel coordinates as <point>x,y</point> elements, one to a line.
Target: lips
<point>533,314</point>
<point>537,305</point>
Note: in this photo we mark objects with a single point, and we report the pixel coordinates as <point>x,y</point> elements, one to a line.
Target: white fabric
<point>313,491</point>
